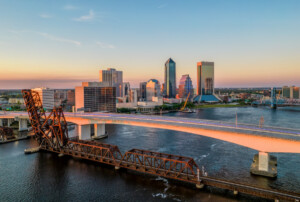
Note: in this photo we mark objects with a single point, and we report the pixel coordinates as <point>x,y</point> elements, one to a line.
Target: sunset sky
<point>60,43</point>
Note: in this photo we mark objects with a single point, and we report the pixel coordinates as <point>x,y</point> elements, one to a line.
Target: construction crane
<point>183,107</point>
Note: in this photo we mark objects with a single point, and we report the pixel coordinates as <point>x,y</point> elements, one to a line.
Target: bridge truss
<point>52,135</point>
<point>6,133</point>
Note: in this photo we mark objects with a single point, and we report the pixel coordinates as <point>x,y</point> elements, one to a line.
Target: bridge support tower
<point>264,164</point>
<point>273,98</point>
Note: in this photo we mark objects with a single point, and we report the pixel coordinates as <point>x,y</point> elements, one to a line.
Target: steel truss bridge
<point>52,135</point>
<point>279,102</point>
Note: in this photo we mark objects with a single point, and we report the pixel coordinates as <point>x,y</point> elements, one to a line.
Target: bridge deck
<point>266,139</point>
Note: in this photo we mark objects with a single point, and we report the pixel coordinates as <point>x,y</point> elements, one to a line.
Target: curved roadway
<point>213,129</point>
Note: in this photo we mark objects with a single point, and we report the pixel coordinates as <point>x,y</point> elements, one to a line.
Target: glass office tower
<point>170,79</point>
<point>186,87</point>
<point>205,78</point>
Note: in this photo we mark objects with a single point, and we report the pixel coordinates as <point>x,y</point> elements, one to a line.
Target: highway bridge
<point>266,139</point>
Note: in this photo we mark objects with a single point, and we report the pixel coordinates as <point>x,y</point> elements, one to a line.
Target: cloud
<point>58,39</point>
<point>69,7</point>
<point>84,18</point>
<point>45,15</point>
<point>47,36</point>
<point>103,45</point>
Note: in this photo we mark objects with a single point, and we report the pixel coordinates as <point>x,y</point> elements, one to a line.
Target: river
<point>47,177</point>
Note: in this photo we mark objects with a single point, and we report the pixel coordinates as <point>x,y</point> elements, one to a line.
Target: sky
<point>59,44</point>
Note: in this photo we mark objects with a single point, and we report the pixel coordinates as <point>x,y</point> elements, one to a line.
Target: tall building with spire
<point>186,87</point>
<point>170,79</point>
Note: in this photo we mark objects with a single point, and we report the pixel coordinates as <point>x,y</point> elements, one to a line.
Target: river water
<point>47,177</point>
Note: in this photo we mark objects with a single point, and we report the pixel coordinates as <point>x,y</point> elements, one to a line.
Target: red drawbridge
<point>6,133</point>
<point>52,135</point>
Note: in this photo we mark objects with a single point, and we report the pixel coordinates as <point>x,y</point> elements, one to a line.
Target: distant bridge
<point>280,102</point>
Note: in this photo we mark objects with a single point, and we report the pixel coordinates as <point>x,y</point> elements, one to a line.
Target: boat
<point>188,110</point>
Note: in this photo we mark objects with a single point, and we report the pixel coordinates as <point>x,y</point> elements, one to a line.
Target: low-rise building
<point>16,101</point>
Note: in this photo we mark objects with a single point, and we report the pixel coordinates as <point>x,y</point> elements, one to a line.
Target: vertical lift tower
<point>273,98</point>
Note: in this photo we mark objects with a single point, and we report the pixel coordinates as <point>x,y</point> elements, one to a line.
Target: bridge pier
<point>9,121</point>
<point>84,132</point>
<point>99,131</point>
<point>23,125</point>
<point>1,122</point>
<point>264,164</point>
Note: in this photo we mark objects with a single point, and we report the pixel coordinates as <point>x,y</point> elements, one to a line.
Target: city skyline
<point>61,44</point>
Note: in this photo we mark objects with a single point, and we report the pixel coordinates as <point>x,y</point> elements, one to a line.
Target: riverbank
<point>219,105</point>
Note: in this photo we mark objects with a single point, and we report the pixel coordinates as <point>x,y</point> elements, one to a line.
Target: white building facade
<point>46,96</point>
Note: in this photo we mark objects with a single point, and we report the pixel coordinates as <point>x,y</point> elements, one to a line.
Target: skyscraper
<point>205,78</point>
<point>126,91</point>
<point>152,89</point>
<point>205,83</point>
<point>143,87</point>
<point>170,79</point>
<point>114,78</point>
<point>186,87</point>
<point>126,88</point>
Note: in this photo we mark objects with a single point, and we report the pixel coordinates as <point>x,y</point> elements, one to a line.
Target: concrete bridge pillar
<point>84,132</point>
<point>264,164</point>
<point>9,121</point>
<point>1,122</point>
<point>263,161</point>
<point>23,125</point>
<point>99,130</point>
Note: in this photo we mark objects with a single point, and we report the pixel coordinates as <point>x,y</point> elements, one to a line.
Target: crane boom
<point>182,108</point>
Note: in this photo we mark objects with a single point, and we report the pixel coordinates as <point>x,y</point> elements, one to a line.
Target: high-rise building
<point>291,92</point>
<point>186,87</point>
<point>205,78</point>
<point>205,83</point>
<point>46,96</point>
<point>133,95</point>
<point>126,89</point>
<point>170,79</point>
<point>143,87</point>
<point>152,89</point>
<point>286,92</point>
<point>114,78</point>
<point>95,96</point>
